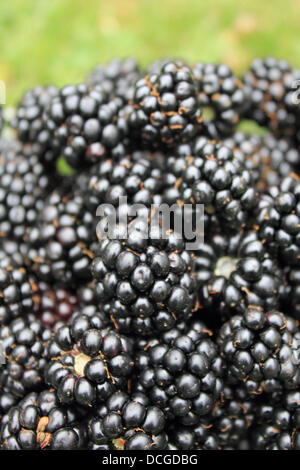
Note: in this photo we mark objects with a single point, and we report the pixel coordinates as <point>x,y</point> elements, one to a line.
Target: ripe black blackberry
<point>280,158</point>
<point>278,219</point>
<point>29,124</point>
<point>247,148</point>
<point>118,77</point>
<point>127,422</point>
<point>86,125</point>
<point>165,107</point>
<point>221,96</point>
<point>181,372</point>
<point>267,158</point>
<point>144,280</point>
<point>234,418</point>
<point>55,304</point>
<point>209,173</point>
<point>87,362</point>
<point>261,350</point>
<point>278,423</point>
<point>270,88</point>
<point>138,176</point>
<point>59,243</point>
<point>24,185</point>
<point>22,345</point>
<point>292,299</point>
<point>198,437</point>
<point>17,288</point>
<point>235,271</point>
<point>39,422</point>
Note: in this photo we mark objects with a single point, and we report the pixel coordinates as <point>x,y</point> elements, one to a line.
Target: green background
<point>59,41</point>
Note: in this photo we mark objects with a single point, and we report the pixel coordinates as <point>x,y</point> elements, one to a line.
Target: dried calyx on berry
<point>87,362</point>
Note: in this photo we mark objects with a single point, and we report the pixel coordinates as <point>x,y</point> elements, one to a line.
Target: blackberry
<point>55,304</point>
<point>234,418</point>
<point>247,148</point>
<point>59,243</point>
<point>278,424</point>
<point>144,280</point>
<point>139,177</point>
<point>29,124</point>
<point>165,107</point>
<point>24,185</point>
<point>292,300</point>
<point>118,77</point>
<point>127,422</point>
<point>181,373</point>
<point>17,289</point>
<point>210,173</point>
<point>280,158</point>
<point>278,219</point>
<point>221,96</point>
<point>86,362</point>
<point>23,344</point>
<point>85,125</point>
<point>39,422</point>
<point>267,158</point>
<point>235,271</point>
<point>198,437</point>
<point>270,86</point>
<point>260,350</point>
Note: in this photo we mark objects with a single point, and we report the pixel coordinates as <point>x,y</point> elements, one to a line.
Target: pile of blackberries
<point>120,328</point>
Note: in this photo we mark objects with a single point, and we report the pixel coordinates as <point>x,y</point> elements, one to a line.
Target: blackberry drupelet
<point>156,66</point>
<point>235,271</point>
<point>86,125</point>
<point>29,123</point>
<point>127,422</point>
<point>270,87</point>
<point>23,344</point>
<point>210,173</point>
<point>278,423</point>
<point>221,95</point>
<point>59,243</point>
<point>260,350</point>
<point>181,372</point>
<point>24,185</point>
<point>118,77</point>
<point>165,107</point>
<point>87,362</point>
<point>145,280</point>
<point>39,422</point>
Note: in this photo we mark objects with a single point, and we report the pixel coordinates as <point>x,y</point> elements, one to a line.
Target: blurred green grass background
<point>59,41</point>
